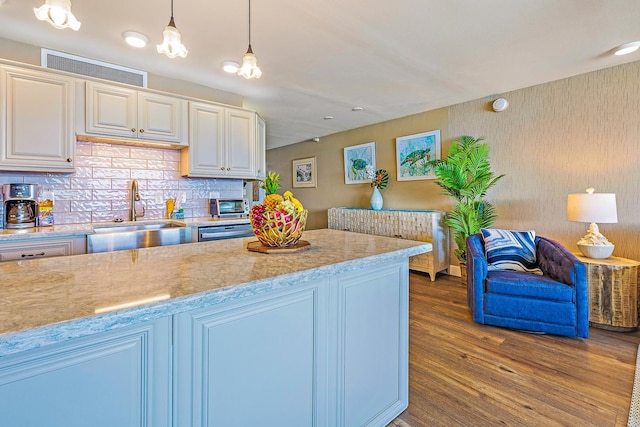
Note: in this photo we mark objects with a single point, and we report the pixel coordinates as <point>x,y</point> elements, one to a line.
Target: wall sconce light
<point>593,207</point>
<point>57,13</point>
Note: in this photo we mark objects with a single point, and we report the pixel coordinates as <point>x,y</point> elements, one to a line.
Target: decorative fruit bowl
<point>280,220</point>
<point>278,228</point>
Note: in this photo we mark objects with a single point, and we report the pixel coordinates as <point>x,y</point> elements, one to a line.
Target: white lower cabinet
<point>42,248</point>
<point>333,352</point>
<point>327,352</point>
<point>117,378</point>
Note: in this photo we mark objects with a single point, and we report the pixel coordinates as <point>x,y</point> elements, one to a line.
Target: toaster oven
<point>229,208</point>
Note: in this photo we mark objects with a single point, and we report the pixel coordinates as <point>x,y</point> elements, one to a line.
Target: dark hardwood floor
<point>466,374</point>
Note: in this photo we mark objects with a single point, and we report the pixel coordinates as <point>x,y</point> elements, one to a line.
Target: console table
<point>613,292</point>
<point>420,225</point>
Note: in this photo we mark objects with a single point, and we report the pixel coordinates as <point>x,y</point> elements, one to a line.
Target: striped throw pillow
<point>510,250</point>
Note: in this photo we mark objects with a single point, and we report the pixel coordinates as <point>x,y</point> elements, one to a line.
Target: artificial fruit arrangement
<point>280,220</point>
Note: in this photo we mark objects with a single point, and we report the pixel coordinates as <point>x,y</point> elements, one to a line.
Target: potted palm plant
<point>465,176</point>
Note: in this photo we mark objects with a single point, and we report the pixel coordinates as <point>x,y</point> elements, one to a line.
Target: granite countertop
<point>50,300</point>
<point>81,230</point>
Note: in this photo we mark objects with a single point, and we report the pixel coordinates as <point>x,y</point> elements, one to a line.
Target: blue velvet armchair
<point>556,302</point>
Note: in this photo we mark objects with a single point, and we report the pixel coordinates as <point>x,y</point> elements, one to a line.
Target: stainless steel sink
<point>134,236</point>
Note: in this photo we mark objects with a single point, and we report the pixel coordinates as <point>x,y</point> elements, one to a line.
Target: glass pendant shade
<point>172,45</point>
<point>249,68</point>
<point>57,13</point>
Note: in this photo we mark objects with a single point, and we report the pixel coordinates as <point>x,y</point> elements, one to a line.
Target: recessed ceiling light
<point>328,117</point>
<point>357,109</point>
<point>135,39</point>
<point>627,48</point>
<point>230,67</point>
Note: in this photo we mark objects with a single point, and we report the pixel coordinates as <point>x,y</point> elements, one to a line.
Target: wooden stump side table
<point>613,292</point>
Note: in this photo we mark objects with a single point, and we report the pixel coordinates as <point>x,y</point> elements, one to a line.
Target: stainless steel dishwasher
<point>228,231</point>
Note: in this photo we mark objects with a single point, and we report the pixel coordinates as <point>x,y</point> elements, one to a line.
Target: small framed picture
<point>304,173</point>
<point>356,160</point>
<point>413,152</point>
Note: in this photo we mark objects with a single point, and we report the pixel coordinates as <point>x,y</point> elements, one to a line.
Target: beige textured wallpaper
<point>560,138</point>
<point>554,139</point>
<point>332,190</point>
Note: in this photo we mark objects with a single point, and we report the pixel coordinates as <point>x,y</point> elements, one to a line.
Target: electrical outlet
<point>158,197</point>
<point>183,197</point>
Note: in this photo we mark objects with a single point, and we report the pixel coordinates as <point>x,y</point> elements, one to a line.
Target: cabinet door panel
<point>240,130</point>
<point>12,251</point>
<point>205,155</point>
<point>111,110</point>
<point>161,118</point>
<point>372,379</point>
<point>253,365</point>
<point>39,113</point>
<point>261,148</point>
<point>113,379</point>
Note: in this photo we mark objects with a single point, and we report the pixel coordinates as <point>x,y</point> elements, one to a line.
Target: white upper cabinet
<point>134,114</point>
<point>206,153</point>
<point>241,143</point>
<point>261,147</point>
<point>36,121</point>
<point>222,143</point>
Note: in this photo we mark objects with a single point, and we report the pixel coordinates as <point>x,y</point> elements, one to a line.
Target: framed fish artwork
<point>413,152</point>
<point>356,160</point>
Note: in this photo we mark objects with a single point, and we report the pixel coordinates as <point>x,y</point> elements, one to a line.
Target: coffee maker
<point>20,205</point>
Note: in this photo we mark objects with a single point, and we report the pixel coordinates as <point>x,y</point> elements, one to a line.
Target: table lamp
<point>593,207</point>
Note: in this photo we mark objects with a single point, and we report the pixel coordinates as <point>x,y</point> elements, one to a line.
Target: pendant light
<point>172,45</point>
<point>57,13</point>
<point>249,68</point>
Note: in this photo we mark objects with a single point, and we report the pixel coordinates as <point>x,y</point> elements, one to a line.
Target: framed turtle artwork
<point>413,153</point>
<point>356,160</point>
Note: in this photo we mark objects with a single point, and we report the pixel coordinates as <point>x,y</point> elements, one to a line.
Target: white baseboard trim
<point>454,270</point>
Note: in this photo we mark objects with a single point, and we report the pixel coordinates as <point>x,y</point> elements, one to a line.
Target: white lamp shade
<point>596,207</point>
<point>58,13</point>
<point>172,44</point>
<point>249,68</point>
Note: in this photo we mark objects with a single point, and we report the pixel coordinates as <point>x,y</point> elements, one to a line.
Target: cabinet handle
<point>141,130</point>
<point>228,169</point>
<point>32,255</point>
<point>222,168</point>
<point>69,159</point>
<point>133,129</point>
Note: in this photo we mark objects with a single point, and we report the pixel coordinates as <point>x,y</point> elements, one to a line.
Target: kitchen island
<point>209,334</point>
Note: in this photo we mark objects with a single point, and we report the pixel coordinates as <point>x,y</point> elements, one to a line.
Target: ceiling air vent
<point>90,67</point>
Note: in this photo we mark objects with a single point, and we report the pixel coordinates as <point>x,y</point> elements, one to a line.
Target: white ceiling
<point>323,57</point>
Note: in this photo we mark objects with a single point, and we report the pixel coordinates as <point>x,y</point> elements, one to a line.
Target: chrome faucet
<point>135,197</point>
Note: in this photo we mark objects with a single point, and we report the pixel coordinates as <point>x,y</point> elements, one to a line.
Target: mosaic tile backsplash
<point>100,188</point>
